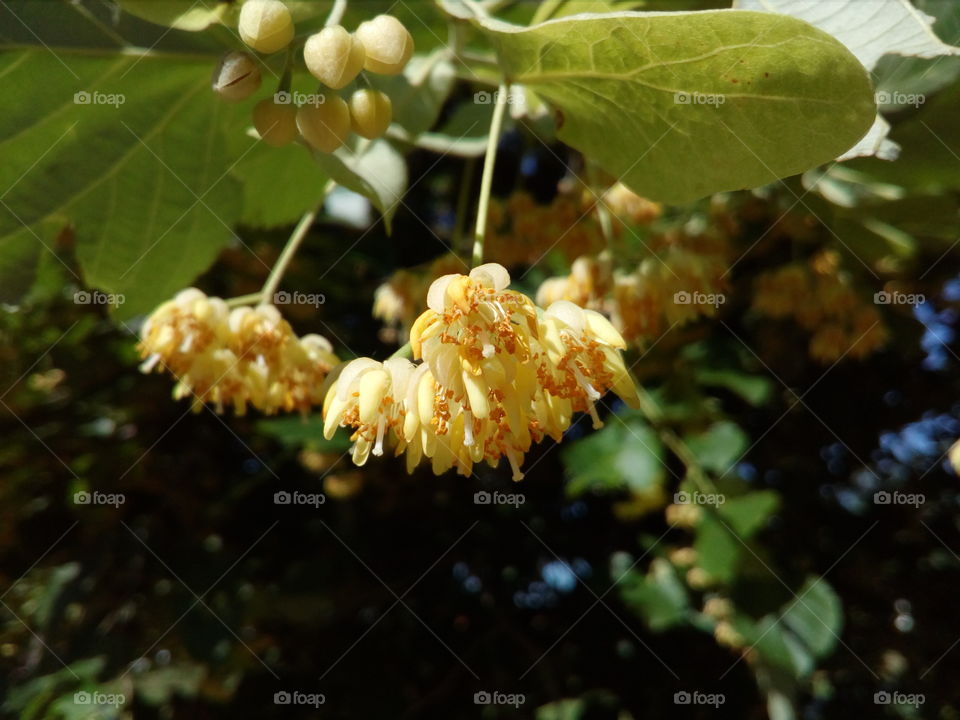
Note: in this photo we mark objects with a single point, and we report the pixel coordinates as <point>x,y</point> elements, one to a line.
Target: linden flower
<point>441,429</point>
<point>181,329</point>
<point>476,338</point>
<point>368,395</point>
<point>247,356</point>
<point>583,348</point>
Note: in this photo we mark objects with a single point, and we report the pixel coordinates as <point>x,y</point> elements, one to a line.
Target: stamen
<point>592,394</point>
<point>150,363</point>
<point>381,426</point>
<point>517,475</point>
<point>187,343</point>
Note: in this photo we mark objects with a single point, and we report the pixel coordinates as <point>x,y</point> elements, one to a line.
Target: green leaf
<point>747,514</point>
<point>258,170</point>
<point>464,134</point>
<point>377,171</point>
<point>141,180</point>
<point>816,617</point>
<point>718,552</point>
<point>890,27</point>
<point>755,389</point>
<point>625,454</point>
<point>682,105</point>
<point>190,15</point>
<point>719,447</point>
<point>659,597</point>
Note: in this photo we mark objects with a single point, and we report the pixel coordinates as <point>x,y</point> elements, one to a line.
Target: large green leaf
<point>681,105</point>
<point>142,182</point>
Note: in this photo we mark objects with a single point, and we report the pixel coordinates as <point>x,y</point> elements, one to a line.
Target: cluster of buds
<point>497,374</point>
<point>820,297</point>
<point>247,356</point>
<point>333,56</point>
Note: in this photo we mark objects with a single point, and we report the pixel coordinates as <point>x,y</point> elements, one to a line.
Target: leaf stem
<point>290,249</point>
<point>486,180</point>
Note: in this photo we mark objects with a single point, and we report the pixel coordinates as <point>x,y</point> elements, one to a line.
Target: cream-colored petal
<point>477,395</point>
<point>373,387</point>
<point>436,295</point>
<point>603,330</point>
<point>491,275</point>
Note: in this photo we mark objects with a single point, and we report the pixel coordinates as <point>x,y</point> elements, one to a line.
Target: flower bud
<point>265,25</point>
<point>277,124</point>
<point>387,43</point>
<point>370,113</point>
<point>237,77</point>
<point>326,126</point>
<point>334,56</point>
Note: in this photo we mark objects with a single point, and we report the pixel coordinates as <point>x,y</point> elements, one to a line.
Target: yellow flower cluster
<point>682,279</point>
<point>821,299</point>
<point>240,357</point>
<point>498,374</point>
